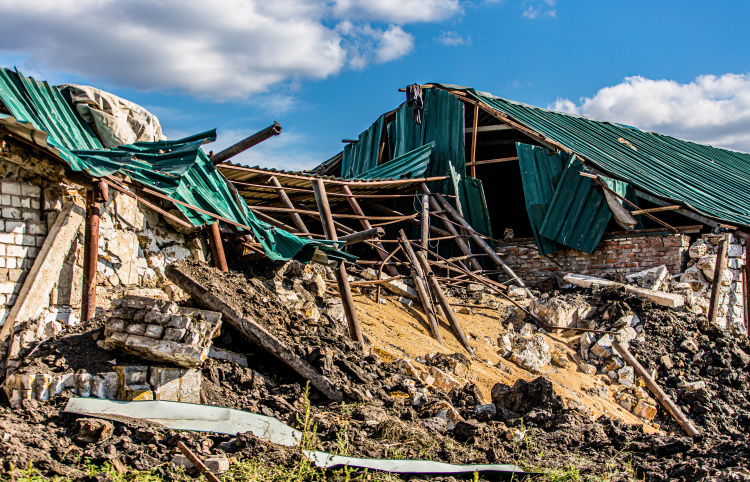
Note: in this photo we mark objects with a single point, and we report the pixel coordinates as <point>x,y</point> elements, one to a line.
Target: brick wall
<point>22,233</point>
<point>617,253</point>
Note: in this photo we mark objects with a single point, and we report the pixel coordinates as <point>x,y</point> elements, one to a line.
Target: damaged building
<point>469,275</point>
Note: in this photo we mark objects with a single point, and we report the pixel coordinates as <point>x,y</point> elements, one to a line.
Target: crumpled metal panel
<point>711,181</point>
<point>408,166</point>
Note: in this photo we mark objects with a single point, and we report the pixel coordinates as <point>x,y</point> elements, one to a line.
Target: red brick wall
<point>617,253</point>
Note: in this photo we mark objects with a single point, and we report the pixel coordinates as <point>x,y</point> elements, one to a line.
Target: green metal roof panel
<point>363,156</point>
<point>578,213</point>
<point>410,165</point>
<point>178,169</point>
<point>709,180</point>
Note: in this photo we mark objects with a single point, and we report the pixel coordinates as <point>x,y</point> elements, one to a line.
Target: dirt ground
<point>404,331</point>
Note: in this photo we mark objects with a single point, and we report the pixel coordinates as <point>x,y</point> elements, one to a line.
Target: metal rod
<point>666,402</point>
<point>366,235</point>
<point>462,244</point>
<point>366,224</point>
<point>90,252</point>
<point>217,247</point>
<point>422,290</point>
<point>270,131</point>
<point>333,182</point>
<point>380,269</point>
<point>437,290</point>
<point>197,462</point>
<point>433,229</point>
<point>721,262</point>
<point>288,203</point>
<point>140,200</point>
<point>483,244</point>
<point>341,277</point>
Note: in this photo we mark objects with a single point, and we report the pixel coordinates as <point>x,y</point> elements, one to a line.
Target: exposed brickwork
<point>621,254</point>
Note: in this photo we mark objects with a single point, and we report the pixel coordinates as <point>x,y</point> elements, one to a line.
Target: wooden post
<point>666,402</point>
<point>366,224</point>
<point>217,247</point>
<point>721,262</point>
<point>422,290</point>
<point>443,300</point>
<point>462,244</point>
<point>91,251</point>
<point>197,462</point>
<point>473,166</point>
<point>425,220</point>
<point>482,243</point>
<point>321,198</point>
<point>288,203</point>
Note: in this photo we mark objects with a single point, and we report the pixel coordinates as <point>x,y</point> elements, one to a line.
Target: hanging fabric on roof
<point>178,169</point>
<point>414,100</point>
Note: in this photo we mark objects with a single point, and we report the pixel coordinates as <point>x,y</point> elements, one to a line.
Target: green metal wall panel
<point>578,213</point>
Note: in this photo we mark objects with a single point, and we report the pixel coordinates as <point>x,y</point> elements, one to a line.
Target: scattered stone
<point>92,430</point>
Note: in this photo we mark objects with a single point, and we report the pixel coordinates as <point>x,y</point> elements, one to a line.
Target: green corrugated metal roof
<point>709,180</point>
<point>178,169</point>
<point>410,165</point>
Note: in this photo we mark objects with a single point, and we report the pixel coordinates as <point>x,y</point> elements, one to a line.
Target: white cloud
<point>365,43</point>
<point>452,39</point>
<point>539,8</point>
<point>397,11</point>
<point>393,44</point>
<point>712,110</point>
<point>219,49</point>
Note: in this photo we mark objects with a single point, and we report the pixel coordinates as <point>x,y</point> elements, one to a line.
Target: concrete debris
<point>532,354</point>
<point>660,298</point>
<point>216,465</point>
<point>161,331</point>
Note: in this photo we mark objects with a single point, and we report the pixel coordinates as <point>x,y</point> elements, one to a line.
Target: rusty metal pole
<point>94,197</point>
<point>217,247</point>
<point>721,261</point>
<point>321,198</point>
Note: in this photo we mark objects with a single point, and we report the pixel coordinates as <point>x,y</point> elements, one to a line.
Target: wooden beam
<point>366,235</point>
<point>491,161</point>
<point>721,263</point>
<point>604,186</point>
<point>654,210</point>
<point>433,229</point>
<point>474,130</point>
<point>288,203</point>
<point>666,402</point>
<point>494,128</point>
<point>333,182</point>
<point>355,332</point>
<point>365,221</point>
<point>425,220</point>
<point>213,300</point>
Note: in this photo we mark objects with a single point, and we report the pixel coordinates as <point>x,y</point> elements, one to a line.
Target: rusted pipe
<point>247,143</point>
<point>217,247</point>
<point>91,252</point>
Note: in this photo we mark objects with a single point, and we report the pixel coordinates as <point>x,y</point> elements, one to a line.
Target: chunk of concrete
<point>396,287</point>
<point>603,347</point>
<point>175,384</point>
<point>217,465</point>
<point>533,355</point>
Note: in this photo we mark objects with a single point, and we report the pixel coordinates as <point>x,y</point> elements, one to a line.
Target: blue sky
<point>325,69</point>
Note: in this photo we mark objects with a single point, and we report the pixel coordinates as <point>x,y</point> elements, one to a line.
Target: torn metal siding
<point>578,213</point>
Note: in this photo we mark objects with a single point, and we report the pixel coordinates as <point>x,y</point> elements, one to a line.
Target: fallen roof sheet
<point>179,169</point>
<point>711,181</point>
<point>206,418</point>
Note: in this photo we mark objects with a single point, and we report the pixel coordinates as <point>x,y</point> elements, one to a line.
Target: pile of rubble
<point>425,407</point>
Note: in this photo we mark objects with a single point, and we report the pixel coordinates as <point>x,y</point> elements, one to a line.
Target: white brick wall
<point>22,233</point>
